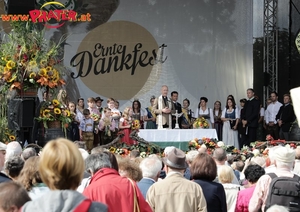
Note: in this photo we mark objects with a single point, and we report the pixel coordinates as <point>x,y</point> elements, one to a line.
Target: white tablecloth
<point>176,135</point>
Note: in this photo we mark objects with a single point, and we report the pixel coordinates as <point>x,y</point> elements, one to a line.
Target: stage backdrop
<point>131,48</point>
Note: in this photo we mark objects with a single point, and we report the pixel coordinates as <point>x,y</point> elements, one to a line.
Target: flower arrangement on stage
<point>28,60</point>
<point>135,125</point>
<point>145,149</point>
<point>201,123</point>
<point>54,111</point>
<point>208,143</point>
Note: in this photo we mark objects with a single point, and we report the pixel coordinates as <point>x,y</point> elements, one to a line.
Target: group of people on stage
<point>236,126</point>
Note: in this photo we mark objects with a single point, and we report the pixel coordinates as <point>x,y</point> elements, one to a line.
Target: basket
<point>54,124</point>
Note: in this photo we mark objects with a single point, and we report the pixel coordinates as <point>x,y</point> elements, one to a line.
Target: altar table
<point>176,137</point>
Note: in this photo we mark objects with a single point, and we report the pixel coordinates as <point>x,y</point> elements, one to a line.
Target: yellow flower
<point>10,64</point>
<point>57,111</point>
<point>32,75</point>
<point>112,149</point>
<point>43,72</point>
<point>13,78</point>
<point>12,138</point>
<point>55,102</point>
<point>46,112</point>
<point>67,113</point>
<point>6,69</point>
<point>48,68</point>
<point>43,63</point>
<point>32,63</point>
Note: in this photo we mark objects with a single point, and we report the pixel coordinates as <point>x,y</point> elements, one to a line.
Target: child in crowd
<point>86,130</point>
<point>106,126</point>
<point>95,115</point>
<point>115,113</point>
<point>73,130</point>
<point>125,125</point>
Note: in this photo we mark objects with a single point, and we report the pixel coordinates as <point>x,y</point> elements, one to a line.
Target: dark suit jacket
<point>214,194</point>
<point>251,113</point>
<point>287,116</point>
<point>144,185</point>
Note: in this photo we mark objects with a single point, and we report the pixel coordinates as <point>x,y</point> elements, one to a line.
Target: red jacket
<point>108,187</point>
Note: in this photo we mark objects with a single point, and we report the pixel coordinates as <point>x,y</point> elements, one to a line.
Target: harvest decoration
<point>208,143</point>
<point>54,111</point>
<point>28,61</point>
<point>201,123</point>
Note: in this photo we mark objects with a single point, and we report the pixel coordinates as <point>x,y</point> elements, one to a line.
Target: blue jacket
<point>144,185</point>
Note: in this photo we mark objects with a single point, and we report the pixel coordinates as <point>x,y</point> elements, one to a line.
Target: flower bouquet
<point>135,125</point>
<point>95,117</point>
<point>201,123</point>
<point>208,143</point>
<point>28,61</point>
<point>54,111</point>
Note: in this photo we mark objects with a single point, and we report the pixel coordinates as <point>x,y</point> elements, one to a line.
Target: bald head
<point>220,155</point>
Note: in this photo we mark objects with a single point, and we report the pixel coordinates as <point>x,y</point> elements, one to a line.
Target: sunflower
<point>112,149</point>
<point>57,111</point>
<point>12,79</point>
<point>49,68</point>
<point>43,72</point>
<point>32,75</point>
<point>32,63</point>
<point>10,64</point>
<point>67,112</point>
<point>12,138</point>
<point>46,112</point>
<point>43,63</point>
<point>55,102</point>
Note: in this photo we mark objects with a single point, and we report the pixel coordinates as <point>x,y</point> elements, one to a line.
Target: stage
<point>176,137</point>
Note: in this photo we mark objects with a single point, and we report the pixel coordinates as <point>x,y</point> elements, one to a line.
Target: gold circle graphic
<point>119,57</point>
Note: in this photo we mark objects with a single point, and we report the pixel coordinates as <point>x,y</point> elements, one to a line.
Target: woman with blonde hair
<point>225,176</point>
<point>30,178</point>
<point>61,168</point>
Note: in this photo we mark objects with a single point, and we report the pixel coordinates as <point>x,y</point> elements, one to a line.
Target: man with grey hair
<point>220,157</point>
<point>27,153</point>
<point>151,170</point>
<point>190,156</point>
<point>284,162</point>
<point>108,187</point>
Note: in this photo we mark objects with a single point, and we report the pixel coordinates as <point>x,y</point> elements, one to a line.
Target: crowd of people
<point>64,177</point>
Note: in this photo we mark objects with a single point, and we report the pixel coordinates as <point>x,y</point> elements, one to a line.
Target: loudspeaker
<point>19,7</point>
<point>21,113</point>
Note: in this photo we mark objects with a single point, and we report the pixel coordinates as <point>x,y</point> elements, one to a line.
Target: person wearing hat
<point>175,193</point>
<point>98,102</point>
<point>284,159</point>
<point>3,176</point>
<point>205,112</point>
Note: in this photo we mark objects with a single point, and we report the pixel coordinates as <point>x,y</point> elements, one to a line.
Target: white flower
<point>203,146</point>
<point>143,154</point>
<point>220,144</point>
<point>255,152</point>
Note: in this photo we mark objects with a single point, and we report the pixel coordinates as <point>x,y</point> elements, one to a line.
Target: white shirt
<point>272,111</point>
<point>207,111</point>
<point>237,113</point>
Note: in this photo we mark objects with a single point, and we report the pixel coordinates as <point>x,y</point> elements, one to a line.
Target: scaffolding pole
<point>270,47</point>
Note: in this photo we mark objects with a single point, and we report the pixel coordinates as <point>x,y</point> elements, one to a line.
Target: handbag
<point>136,207</point>
<point>232,123</point>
